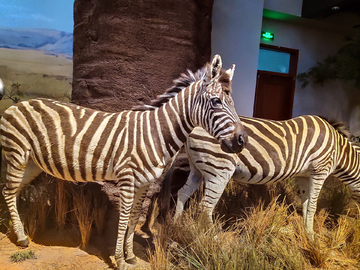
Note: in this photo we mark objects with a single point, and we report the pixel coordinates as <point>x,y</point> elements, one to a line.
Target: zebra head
<point>214,110</point>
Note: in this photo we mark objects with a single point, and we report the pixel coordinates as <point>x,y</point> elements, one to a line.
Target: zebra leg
<point>304,187</point>
<point>316,183</point>
<point>146,226</point>
<point>133,220</point>
<point>193,182</point>
<point>126,203</point>
<point>16,178</point>
<point>214,188</point>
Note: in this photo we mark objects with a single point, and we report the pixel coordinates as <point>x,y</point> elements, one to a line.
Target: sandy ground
<point>61,257</point>
<point>48,257</point>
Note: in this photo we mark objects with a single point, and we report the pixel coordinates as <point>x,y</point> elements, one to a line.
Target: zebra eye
<point>216,102</point>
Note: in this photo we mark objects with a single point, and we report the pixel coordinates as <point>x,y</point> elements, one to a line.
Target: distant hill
<point>47,40</point>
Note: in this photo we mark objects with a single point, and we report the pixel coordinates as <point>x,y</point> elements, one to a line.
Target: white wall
<point>236,26</point>
<point>335,100</point>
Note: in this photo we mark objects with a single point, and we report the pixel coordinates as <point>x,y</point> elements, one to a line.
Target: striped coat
<point>307,147</point>
<point>133,147</point>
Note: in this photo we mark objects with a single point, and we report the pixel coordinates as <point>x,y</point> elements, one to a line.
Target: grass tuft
<point>263,237</point>
<point>84,215</point>
<point>22,256</point>
<point>35,204</point>
<point>61,204</point>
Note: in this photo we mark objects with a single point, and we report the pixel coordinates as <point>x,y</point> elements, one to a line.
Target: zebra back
<point>276,150</point>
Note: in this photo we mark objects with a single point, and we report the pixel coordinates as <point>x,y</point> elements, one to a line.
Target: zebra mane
<point>340,127</point>
<point>179,84</point>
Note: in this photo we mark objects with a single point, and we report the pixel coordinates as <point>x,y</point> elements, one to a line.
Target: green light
<point>267,35</point>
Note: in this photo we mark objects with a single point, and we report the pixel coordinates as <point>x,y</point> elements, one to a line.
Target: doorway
<point>275,84</point>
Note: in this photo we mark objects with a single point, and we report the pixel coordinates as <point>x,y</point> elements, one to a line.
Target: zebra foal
<point>74,143</point>
<point>306,147</point>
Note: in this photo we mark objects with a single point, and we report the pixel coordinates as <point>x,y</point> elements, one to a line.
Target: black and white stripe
<point>133,147</point>
<point>307,147</point>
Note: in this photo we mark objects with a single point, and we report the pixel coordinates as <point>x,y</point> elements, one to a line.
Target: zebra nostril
<point>241,140</point>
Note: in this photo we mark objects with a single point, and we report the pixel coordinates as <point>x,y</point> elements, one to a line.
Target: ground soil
<point>66,256</point>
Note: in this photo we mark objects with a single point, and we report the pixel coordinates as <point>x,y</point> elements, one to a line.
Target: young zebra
<point>132,147</point>
<point>307,147</point>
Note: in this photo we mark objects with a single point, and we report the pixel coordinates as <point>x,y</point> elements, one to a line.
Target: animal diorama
<point>308,148</point>
<point>132,147</point>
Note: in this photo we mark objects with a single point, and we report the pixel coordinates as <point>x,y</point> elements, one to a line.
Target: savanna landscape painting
<point>36,61</point>
<point>36,41</point>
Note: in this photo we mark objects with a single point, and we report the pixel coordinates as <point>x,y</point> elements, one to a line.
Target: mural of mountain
<point>47,40</point>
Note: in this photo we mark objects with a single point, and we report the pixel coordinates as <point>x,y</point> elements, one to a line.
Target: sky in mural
<point>47,14</point>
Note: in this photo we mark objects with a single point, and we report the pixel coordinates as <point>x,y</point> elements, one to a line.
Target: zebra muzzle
<point>236,143</point>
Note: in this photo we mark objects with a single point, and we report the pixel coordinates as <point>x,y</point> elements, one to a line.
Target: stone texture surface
<point>126,52</point>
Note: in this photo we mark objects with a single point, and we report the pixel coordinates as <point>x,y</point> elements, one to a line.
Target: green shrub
<point>23,255</point>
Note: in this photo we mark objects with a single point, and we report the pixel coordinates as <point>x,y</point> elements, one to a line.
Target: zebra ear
<point>230,72</point>
<point>216,65</point>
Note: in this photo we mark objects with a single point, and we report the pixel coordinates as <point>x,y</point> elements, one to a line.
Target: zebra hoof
<point>23,243</point>
<point>131,260</point>
<point>121,265</point>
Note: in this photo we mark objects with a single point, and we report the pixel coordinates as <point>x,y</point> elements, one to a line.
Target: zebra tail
<point>164,196</point>
<point>164,199</point>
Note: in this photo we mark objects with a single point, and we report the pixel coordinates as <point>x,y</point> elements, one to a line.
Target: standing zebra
<point>132,147</point>
<point>307,147</point>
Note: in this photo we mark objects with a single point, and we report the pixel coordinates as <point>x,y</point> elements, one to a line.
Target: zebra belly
<point>70,170</point>
<point>252,176</point>
<point>80,169</point>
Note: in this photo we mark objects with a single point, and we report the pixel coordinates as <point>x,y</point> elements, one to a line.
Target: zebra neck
<point>172,124</point>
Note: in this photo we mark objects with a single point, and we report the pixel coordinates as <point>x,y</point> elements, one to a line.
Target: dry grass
<point>159,257</point>
<point>61,204</point>
<point>48,203</point>
<point>100,209</point>
<point>264,236</point>
<point>268,238</point>
<point>84,214</point>
<point>35,203</point>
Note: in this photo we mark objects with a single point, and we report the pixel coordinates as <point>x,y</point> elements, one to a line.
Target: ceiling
<point>323,8</point>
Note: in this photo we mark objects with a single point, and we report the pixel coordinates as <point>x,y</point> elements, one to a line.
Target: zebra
<point>306,147</point>
<point>131,147</point>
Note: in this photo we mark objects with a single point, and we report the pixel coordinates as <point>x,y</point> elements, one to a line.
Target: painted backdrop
<point>36,47</point>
